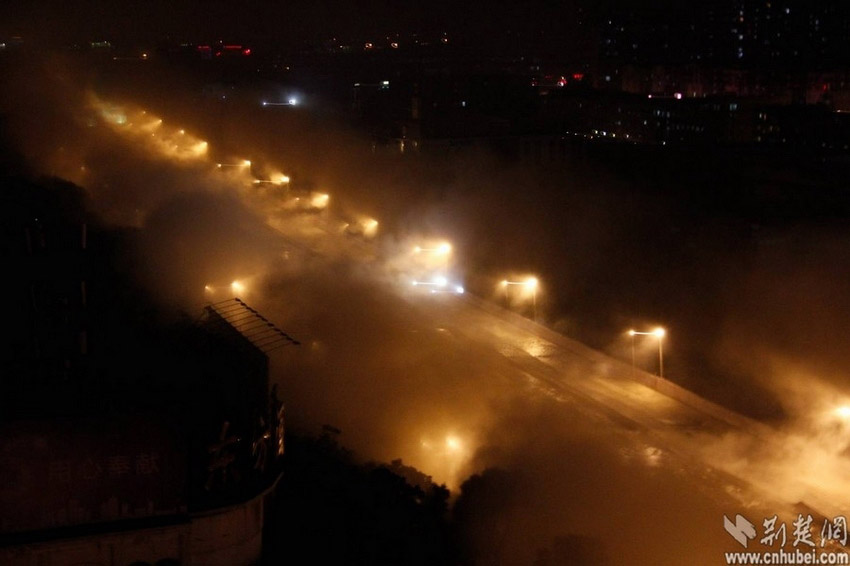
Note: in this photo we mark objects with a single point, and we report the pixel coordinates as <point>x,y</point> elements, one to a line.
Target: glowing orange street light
<point>243,163</point>
<point>443,249</point>
<point>275,180</point>
<point>370,227</point>
<point>438,281</point>
<point>531,284</point>
<point>320,200</point>
<point>658,333</point>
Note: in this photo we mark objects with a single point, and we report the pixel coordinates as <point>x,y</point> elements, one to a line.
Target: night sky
<point>149,21</point>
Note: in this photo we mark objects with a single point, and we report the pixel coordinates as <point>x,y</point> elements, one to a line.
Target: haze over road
<point>571,450</point>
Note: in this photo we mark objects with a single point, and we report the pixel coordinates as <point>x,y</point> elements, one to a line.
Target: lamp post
<point>439,255</point>
<point>531,284</point>
<point>658,333</point>
<point>443,249</point>
<point>243,163</point>
<point>438,281</point>
<point>277,180</point>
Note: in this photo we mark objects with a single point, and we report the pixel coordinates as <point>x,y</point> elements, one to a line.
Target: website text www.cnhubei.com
<point>788,557</point>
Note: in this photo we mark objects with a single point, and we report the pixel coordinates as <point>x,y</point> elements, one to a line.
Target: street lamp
<point>278,180</point>
<point>443,249</point>
<point>438,281</point>
<point>370,227</point>
<point>289,102</point>
<point>237,287</point>
<point>658,333</point>
<point>530,284</point>
<point>243,163</point>
<point>434,256</point>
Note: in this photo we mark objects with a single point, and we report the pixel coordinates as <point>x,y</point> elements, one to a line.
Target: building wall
<point>225,537</point>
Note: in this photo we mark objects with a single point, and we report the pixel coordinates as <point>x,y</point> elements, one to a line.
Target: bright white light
<point>843,412</point>
<point>370,227</point>
<point>320,200</point>
<point>453,443</point>
<point>632,332</point>
<point>443,249</point>
<point>246,162</point>
<point>440,281</point>
<point>459,290</point>
<point>237,287</point>
<point>531,282</point>
<point>660,332</point>
<point>293,101</point>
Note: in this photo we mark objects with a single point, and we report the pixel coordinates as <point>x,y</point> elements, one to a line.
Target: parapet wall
<point>613,365</point>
